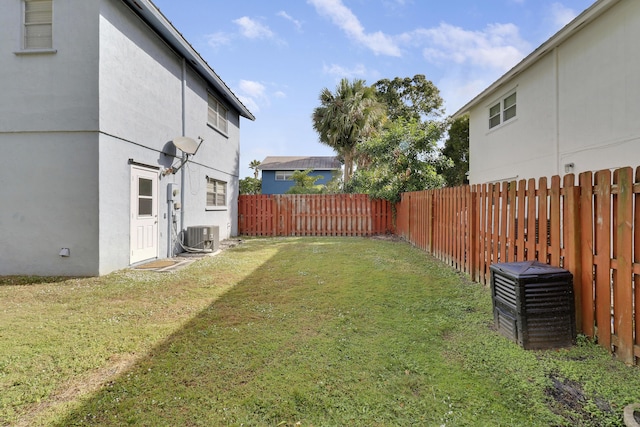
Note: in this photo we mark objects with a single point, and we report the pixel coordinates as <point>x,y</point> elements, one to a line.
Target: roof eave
<point>595,10</point>
<point>165,29</point>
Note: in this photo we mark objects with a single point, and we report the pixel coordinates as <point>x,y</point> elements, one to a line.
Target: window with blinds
<point>216,193</point>
<point>284,175</point>
<point>217,116</point>
<point>38,24</point>
<point>502,111</point>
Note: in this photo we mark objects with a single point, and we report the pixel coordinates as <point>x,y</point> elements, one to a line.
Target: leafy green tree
<point>456,149</point>
<point>254,165</point>
<point>250,185</point>
<point>335,185</point>
<point>305,183</point>
<point>403,158</point>
<point>411,98</point>
<point>345,118</point>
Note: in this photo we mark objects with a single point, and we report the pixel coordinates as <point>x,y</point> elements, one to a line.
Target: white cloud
<point>250,103</point>
<point>253,89</point>
<point>341,16</point>
<point>286,16</point>
<point>342,72</point>
<point>253,29</point>
<point>253,95</point>
<point>280,94</point>
<point>218,39</point>
<point>561,15</point>
<point>457,90</point>
<point>499,46</point>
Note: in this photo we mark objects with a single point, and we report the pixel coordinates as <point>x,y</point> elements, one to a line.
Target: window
<point>216,193</point>
<point>38,24</point>
<point>145,197</point>
<point>217,117</point>
<point>509,107</point>
<point>494,115</point>
<point>284,175</point>
<point>502,111</point>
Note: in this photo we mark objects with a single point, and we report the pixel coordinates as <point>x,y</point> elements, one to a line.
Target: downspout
<point>184,132</point>
<point>556,67</point>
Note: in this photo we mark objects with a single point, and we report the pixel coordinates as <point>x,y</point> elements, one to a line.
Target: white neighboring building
<point>93,92</point>
<point>573,105</point>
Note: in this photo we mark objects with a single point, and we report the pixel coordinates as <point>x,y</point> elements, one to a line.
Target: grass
<point>309,332</point>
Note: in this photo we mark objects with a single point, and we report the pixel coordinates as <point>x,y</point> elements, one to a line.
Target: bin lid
<point>524,269</point>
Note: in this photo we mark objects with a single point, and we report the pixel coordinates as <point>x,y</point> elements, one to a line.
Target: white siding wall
<point>600,92</point>
<point>50,91</point>
<point>140,113</point>
<point>578,104</point>
<point>49,201</point>
<point>524,146</point>
<point>48,141</point>
<point>71,120</point>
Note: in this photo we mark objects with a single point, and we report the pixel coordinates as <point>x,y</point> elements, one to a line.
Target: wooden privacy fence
<point>591,228</point>
<point>313,215</point>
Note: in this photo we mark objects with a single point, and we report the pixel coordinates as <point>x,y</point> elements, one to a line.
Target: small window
<point>284,175</point>
<point>216,193</point>
<point>38,24</point>
<point>502,111</point>
<point>494,116</point>
<point>217,117</point>
<point>509,107</point>
<point>145,197</point>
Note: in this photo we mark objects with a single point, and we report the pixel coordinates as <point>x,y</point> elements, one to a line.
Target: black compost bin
<point>533,304</point>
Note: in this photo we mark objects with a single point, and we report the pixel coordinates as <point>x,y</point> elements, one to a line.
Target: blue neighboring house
<point>278,170</point>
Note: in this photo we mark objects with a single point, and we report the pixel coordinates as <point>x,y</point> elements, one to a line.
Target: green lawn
<point>297,331</point>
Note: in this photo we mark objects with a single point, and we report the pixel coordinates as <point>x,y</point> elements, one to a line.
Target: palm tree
<point>346,117</point>
<point>254,165</point>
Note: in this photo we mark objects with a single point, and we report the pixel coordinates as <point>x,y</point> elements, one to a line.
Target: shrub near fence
<point>313,215</point>
<point>591,228</point>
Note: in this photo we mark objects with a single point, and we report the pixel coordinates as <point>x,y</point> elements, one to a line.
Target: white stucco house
<point>572,105</point>
<point>97,98</point>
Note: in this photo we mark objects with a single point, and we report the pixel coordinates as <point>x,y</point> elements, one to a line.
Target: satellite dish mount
<point>188,146</point>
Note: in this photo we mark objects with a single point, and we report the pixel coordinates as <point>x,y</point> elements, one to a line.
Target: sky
<point>278,55</point>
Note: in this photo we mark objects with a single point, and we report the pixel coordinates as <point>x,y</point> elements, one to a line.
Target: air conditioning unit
<point>204,237</point>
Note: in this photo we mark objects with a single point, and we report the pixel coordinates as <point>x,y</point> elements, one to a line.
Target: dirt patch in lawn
<point>570,401</point>
<point>81,386</point>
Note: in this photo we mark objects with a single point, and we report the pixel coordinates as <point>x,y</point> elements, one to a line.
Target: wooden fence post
<point>586,243</point>
<point>554,221</point>
<point>572,241</point>
<point>602,257</point>
<point>622,250</point>
<point>473,247</point>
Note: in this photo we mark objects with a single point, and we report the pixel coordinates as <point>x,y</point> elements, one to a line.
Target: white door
<point>144,214</point>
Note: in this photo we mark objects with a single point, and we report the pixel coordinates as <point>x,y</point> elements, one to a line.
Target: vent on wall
<point>203,237</point>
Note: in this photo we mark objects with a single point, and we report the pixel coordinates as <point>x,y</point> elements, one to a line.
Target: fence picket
<point>586,278</point>
<point>602,256</point>
<point>622,251</point>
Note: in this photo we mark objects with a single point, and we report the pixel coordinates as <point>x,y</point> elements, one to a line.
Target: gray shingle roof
<point>288,163</point>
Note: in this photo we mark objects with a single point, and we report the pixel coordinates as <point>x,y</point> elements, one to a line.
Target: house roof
<point>300,163</point>
<point>152,16</point>
<point>590,14</point>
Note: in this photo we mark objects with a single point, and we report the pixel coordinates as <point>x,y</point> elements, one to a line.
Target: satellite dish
<point>186,144</point>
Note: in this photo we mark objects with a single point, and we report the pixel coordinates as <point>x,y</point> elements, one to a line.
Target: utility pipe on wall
<point>184,133</point>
